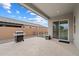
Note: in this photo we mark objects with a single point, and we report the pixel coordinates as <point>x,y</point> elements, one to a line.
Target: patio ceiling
<point>50,10</point>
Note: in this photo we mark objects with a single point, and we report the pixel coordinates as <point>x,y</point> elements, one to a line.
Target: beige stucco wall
<point>68,16</point>
<point>7,32</point>
<point>76,34</point>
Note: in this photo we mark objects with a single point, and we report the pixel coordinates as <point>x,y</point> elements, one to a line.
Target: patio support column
<point>50,28</point>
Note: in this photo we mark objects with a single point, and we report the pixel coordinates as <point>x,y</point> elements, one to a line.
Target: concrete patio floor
<point>37,46</point>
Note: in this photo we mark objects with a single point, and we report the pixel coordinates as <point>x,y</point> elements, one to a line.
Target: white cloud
<point>24,17</point>
<point>28,11</point>
<point>17,12</point>
<point>39,20</point>
<point>9,11</point>
<point>6,5</point>
<point>31,19</point>
<point>32,13</point>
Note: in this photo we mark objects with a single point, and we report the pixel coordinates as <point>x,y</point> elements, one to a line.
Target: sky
<point>18,12</point>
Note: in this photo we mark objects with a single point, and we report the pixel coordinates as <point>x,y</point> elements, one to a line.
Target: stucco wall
<point>68,16</point>
<point>76,34</point>
<point>7,32</point>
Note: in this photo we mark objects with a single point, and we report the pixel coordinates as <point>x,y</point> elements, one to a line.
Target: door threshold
<point>64,41</point>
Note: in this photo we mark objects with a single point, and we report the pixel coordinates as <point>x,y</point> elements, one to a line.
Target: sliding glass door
<point>56,29</point>
<point>60,30</point>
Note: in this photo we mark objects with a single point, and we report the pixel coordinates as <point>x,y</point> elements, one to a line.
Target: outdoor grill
<point>19,36</point>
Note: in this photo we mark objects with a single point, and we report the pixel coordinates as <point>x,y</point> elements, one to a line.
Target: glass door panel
<point>56,29</point>
<point>63,30</point>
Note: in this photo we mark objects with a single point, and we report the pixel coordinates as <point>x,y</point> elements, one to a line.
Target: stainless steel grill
<point>19,36</point>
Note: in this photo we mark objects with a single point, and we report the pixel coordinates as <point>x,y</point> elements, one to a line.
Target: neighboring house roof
<point>9,20</point>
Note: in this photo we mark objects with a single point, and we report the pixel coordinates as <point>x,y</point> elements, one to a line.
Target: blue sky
<point>18,12</point>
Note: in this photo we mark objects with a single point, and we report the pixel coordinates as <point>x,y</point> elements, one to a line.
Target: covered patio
<point>62,19</point>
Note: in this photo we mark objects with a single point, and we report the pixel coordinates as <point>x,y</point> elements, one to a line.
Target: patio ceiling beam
<point>33,8</point>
